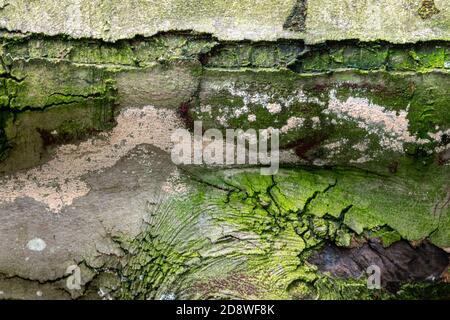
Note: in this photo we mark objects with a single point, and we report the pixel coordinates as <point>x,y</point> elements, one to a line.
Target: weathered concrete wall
<point>384,100</point>
<point>313,20</point>
<point>90,92</point>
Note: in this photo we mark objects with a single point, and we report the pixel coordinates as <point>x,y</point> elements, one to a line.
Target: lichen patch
<point>390,126</point>
<point>58,182</point>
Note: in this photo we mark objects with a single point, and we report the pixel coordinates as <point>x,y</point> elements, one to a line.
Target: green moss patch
<point>249,236</point>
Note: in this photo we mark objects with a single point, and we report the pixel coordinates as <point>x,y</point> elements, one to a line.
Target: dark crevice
<point>296,20</point>
<point>72,95</point>
<point>49,105</point>
<point>269,192</point>
<point>214,185</point>
<point>341,218</point>
<point>399,263</point>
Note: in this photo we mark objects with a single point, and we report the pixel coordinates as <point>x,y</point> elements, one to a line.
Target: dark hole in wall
<point>306,147</point>
<point>399,263</point>
<point>184,111</point>
<point>4,145</point>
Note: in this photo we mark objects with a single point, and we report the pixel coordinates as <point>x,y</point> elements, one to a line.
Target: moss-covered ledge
<point>312,90</point>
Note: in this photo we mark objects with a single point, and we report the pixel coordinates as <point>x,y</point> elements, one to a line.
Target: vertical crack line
<point>314,195</point>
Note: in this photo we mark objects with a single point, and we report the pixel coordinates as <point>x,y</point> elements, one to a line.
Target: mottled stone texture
<point>312,20</point>
<point>90,92</point>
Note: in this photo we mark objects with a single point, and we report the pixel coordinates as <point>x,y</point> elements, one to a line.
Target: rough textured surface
<point>83,234</point>
<point>395,21</point>
<point>90,92</point>
<point>383,99</point>
<point>258,232</point>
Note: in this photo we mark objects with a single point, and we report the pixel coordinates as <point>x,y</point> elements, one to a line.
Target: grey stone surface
<point>318,20</point>
<point>81,234</point>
